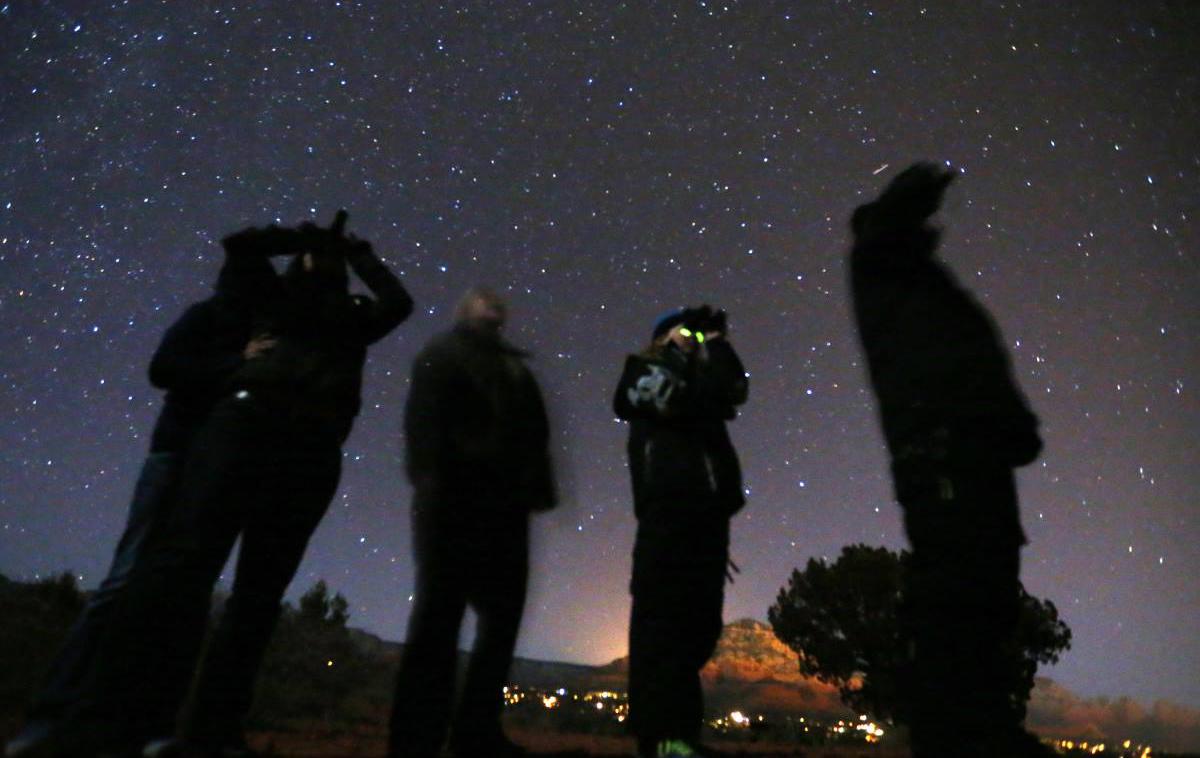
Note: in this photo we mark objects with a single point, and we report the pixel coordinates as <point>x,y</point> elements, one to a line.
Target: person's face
<point>684,338</point>
<point>487,313</point>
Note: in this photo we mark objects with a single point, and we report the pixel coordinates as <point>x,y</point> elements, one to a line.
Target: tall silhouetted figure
<point>956,426</point>
<point>478,459</point>
<point>197,356</point>
<point>263,467</point>
<point>687,483</point>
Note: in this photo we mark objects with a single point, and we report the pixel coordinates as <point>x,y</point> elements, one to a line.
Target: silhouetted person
<point>687,483</point>
<point>956,426</point>
<point>478,459</point>
<point>196,358</point>
<point>263,466</point>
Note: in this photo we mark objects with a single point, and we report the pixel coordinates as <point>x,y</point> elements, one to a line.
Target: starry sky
<point>601,162</point>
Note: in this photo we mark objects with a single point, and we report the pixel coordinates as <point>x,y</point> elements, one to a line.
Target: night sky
<point>602,162</point>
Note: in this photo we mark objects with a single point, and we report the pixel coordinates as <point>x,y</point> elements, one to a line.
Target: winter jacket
<point>942,377</point>
<point>202,350</point>
<point>477,436</point>
<point>681,459</point>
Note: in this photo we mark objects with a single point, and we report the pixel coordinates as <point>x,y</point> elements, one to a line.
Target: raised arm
<point>391,305</point>
<point>721,383</point>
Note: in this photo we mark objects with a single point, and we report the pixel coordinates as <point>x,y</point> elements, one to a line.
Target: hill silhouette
<point>751,671</point>
<point>326,687</point>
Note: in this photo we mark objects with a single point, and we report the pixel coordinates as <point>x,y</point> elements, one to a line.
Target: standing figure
<point>197,356</point>
<point>262,467</point>
<point>687,483</point>
<point>956,426</point>
<point>478,459</point>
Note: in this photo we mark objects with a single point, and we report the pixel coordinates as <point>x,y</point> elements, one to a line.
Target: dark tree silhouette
<point>844,620</point>
<point>36,617</point>
<point>317,605</point>
<point>313,667</point>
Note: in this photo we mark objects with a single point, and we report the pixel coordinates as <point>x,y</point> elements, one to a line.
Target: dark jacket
<point>945,387</point>
<point>314,372</point>
<point>477,436</point>
<point>202,350</point>
<point>681,459</point>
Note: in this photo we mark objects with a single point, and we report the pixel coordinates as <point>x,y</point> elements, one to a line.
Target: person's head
<point>482,310</point>
<point>672,328</point>
<point>318,273</point>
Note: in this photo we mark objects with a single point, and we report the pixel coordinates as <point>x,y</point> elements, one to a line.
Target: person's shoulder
<point>209,307</point>
<point>633,360</point>
<point>443,346</point>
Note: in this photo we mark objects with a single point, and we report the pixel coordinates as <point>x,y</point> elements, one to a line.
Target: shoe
<point>49,739</point>
<point>172,748</point>
<point>31,741</point>
<point>176,748</point>
<point>675,749</point>
<point>497,747</point>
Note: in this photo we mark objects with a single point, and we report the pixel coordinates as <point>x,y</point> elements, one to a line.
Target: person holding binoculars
<point>677,395</point>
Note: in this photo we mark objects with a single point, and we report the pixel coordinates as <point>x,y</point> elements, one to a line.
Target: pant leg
<point>145,660</point>
<point>424,692</point>
<point>297,479</point>
<point>962,600</point>
<point>497,581</point>
<point>151,497</point>
<point>678,593</point>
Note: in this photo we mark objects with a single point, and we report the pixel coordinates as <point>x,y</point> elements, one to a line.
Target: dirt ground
<point>317,743</point>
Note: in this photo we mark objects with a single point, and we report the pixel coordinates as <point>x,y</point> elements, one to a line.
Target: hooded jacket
<point>200,353</point>
<point>681,459</point>
<point>936,362</point>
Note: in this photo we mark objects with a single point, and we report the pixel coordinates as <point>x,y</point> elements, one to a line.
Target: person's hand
<point>916,193</point>
<point>357,246</point>
<point>717,325</point>
<point>258,345</point>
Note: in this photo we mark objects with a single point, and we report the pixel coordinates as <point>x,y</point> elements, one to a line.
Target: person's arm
<point>540,474</point>
<point>190,358</point>
<point>721,383</point>
<point>991,416</point>
<point>425,417</point>
<point>392,303</point>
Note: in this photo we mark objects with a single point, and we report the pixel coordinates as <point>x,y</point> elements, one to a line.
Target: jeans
<point>251,473</point>
<point>65,682</point>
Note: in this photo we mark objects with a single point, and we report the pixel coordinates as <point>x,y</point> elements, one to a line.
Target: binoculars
<point>704,320</point>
